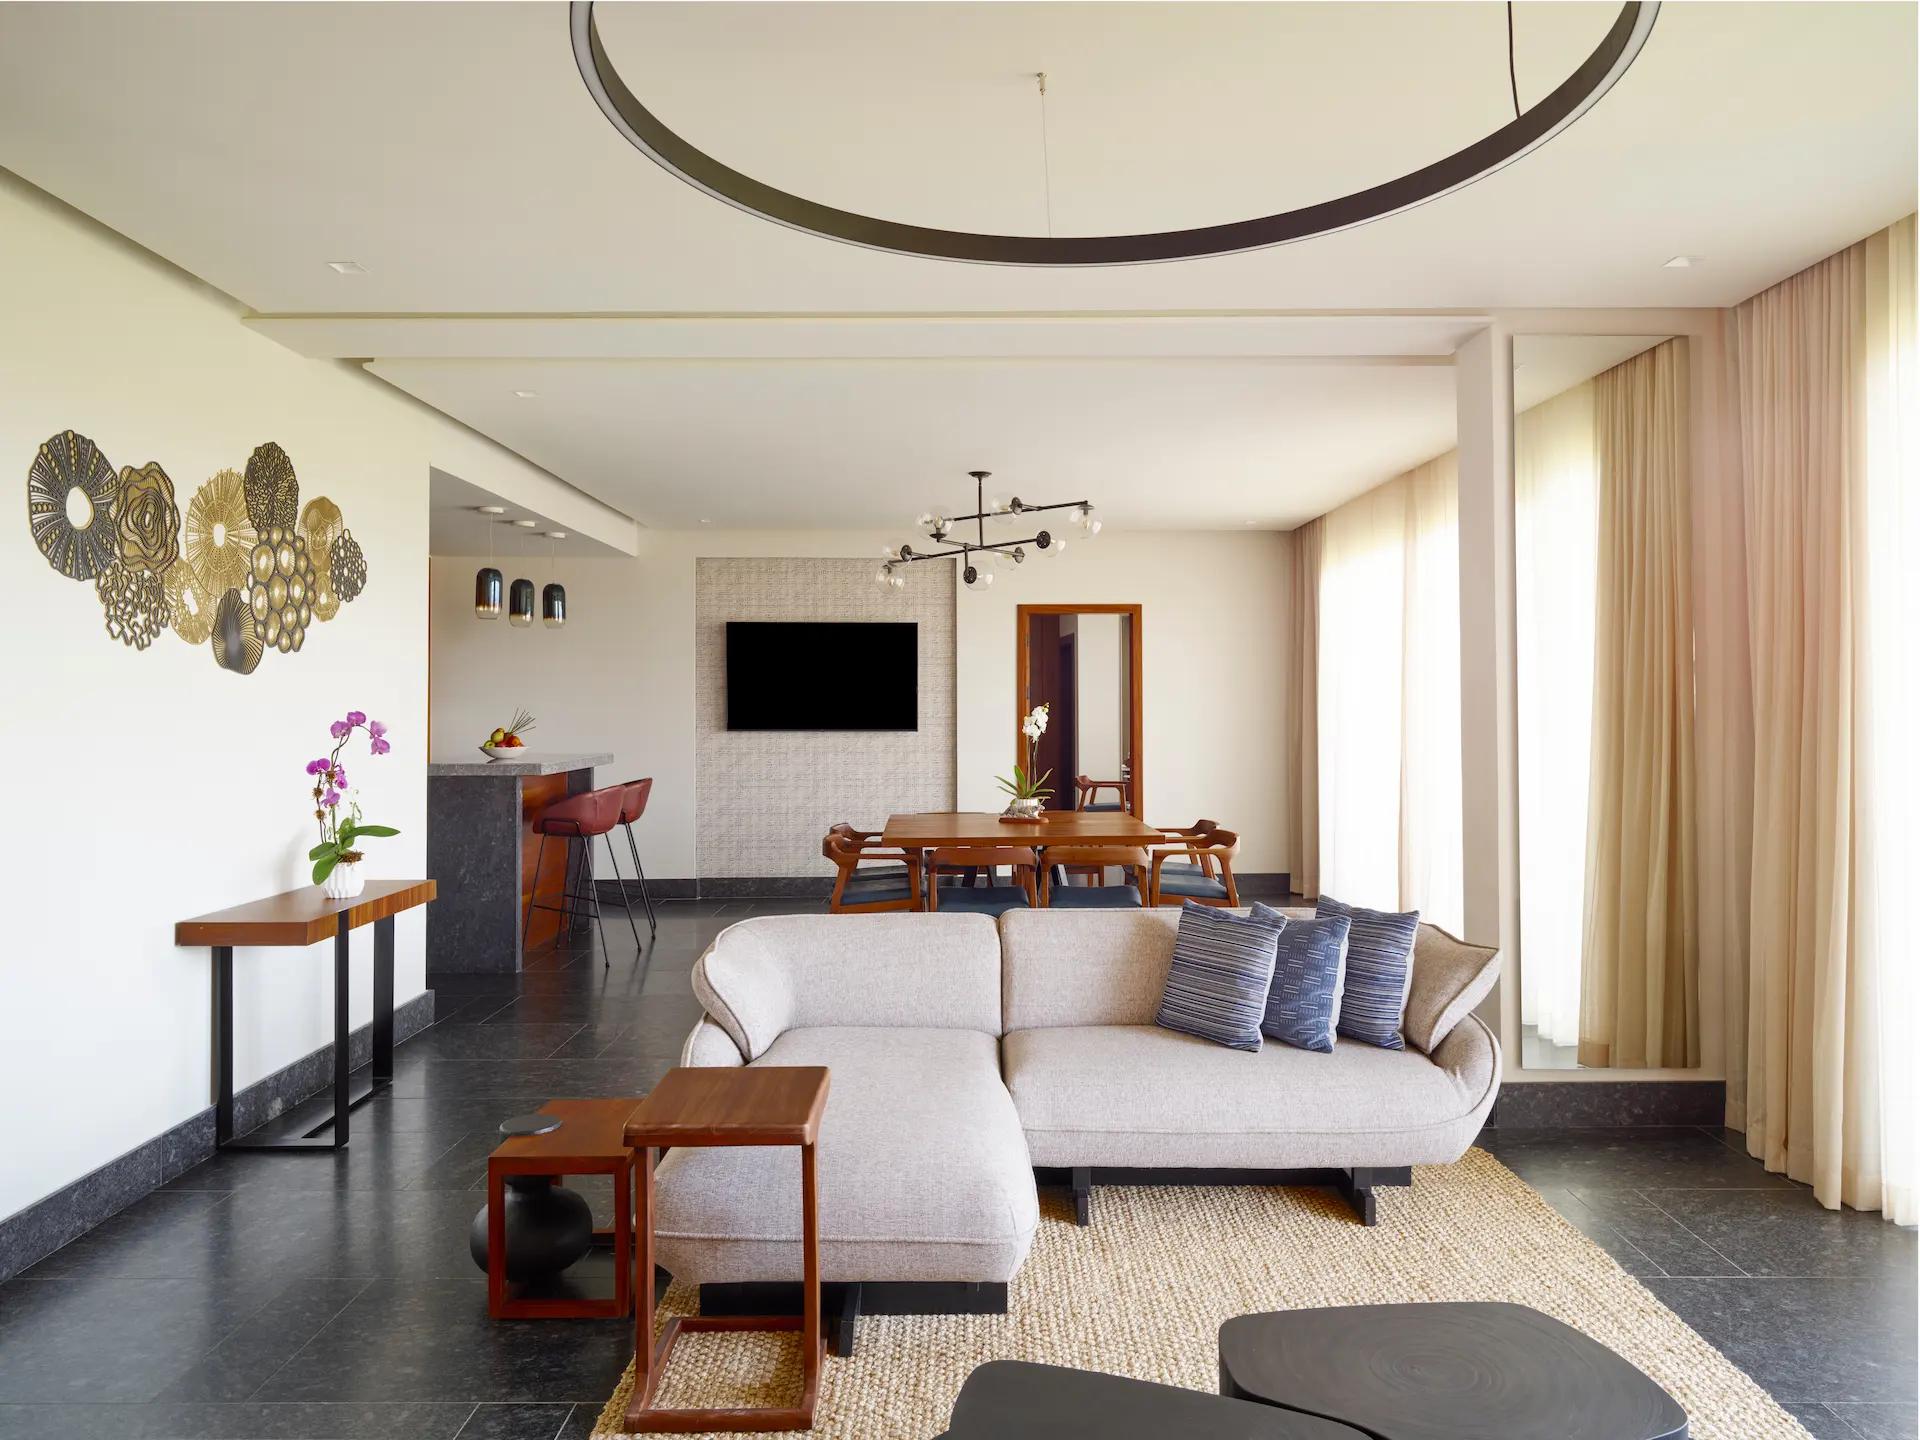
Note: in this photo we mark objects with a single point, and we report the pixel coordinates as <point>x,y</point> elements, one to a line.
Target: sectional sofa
<point>972,1059</point>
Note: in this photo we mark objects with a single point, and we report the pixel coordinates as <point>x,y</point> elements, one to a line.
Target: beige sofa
<point>970,1057</point>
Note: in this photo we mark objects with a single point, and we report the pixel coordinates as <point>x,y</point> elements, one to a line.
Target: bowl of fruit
<point>506,743</point>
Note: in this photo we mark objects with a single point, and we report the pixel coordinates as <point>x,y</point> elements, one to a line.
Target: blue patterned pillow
<point>1222,969</point>
<point>1379,970</point>
<point>1309,973</point>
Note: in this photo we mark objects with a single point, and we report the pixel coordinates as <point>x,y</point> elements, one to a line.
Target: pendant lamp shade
<point>487,589</point>
<point>553,606</point>
<point>520,610</point>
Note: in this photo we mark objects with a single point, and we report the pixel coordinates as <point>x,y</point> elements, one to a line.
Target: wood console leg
<point>810,1336</point>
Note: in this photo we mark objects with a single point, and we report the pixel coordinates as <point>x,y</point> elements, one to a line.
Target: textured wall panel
<point>763,798</point>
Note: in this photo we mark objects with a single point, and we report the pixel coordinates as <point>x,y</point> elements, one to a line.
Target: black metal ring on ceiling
<point>1577,94</point>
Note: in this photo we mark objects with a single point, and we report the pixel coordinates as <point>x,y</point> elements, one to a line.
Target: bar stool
<point>633,804</point>
<point>581,817</point>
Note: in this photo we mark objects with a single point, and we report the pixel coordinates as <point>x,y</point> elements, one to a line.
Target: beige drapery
<point>1822,367</point>
<point>1640,983</point>
<point>1303,712</point>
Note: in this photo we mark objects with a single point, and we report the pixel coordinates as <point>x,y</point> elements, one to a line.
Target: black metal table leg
<point>342,1033</point>
<point>383,1002</point>
<point>222,1044</point>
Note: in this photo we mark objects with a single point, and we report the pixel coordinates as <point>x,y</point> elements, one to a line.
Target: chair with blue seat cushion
<point>863,887</point>
<point>1373,1006</point>
<point>1178,836</point>
<point>994,900</point>
<point>960,867</point>
<point>1088,794</point>
<point>1093,861</point>
<point>1208,881</point>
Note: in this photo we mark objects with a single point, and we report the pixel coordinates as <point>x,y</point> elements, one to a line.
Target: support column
<point>1489,754</point>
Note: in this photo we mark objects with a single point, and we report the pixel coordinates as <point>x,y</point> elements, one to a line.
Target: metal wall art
<point>244,570</point>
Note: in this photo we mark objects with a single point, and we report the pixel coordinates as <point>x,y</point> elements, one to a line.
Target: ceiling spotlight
<point>1684,262</point>
<point>526,394</point>
<point>346,267</point>
<point>556,534</point>
<point>528,524</point>
<point>491,509</point>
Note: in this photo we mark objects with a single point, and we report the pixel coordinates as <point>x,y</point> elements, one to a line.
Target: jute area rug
<point>1143,1291</point>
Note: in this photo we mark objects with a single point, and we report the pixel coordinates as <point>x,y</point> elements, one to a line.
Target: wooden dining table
<point>983,828</point>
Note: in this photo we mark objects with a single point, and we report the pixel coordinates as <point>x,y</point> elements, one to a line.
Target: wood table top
<point>1057,827</point>
<point>589,1130</point>
<point>751,1105</point>
<point>302,917</point>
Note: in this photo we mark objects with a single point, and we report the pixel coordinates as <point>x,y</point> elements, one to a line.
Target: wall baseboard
<point>1253,886</point>
<point>69,1212</point>
<point>1548,1104</point>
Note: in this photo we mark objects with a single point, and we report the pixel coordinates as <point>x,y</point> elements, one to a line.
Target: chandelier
<point>1006,554</point>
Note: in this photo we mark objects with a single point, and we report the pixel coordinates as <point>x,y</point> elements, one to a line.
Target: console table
<point>302,918</point>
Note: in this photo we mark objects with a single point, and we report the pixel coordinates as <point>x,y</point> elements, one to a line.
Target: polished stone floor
<point>321,1297</point>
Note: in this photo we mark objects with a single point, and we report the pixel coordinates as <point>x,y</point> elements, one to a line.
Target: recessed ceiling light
<point>556,534</point>
<point>347,267</point>
<point>705,521</point>
<point>491,509</point>
<point>1249,522</point>
<point>1684,262</point>
<point>528,524</point>
<point>526,394</point>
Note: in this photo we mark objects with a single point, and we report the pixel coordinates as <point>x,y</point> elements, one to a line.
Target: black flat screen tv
<point>812,675</point>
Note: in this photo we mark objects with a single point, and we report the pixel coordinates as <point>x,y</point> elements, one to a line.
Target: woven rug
<point>1143,1291</point>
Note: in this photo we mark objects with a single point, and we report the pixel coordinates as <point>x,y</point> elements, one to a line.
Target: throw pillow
<point>1379,970</point>
<point>1309,974</point>
<point>1450,979</point>
<point>1218,980</point>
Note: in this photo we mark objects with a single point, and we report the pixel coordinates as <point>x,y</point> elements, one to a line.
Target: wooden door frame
<point>1023,660</point>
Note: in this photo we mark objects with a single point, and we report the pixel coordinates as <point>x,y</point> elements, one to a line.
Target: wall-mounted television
<point>814,675</point>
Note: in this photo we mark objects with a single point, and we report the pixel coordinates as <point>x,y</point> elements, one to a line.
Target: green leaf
<point>378,831</point>
<point>324,848</point>
<point>324,868</point>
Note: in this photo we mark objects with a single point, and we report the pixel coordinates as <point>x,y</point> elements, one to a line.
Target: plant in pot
<point>1027,788</point>
<point>336,859</point>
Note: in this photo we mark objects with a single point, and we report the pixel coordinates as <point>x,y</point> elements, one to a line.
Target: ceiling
<point>694,362</point>
<point>456,525</point>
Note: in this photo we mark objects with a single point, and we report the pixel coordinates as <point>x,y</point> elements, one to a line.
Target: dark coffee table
<point>1444,1372</point>
<point>1015,1400</point>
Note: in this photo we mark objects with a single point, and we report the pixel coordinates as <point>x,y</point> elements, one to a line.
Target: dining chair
<point>1089,789</point>
<point>1197,882</point>
<point>1181,835</point>
<point>965,862</point>
<point>1094,860</point>
<point>893,883</point>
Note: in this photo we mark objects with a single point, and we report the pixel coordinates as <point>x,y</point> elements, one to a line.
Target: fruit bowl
<point>503,752</point>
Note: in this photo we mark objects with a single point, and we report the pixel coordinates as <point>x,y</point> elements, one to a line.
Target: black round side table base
<point>538,1123</point>
<point>548,1228</point>
<point>1453,1371</point>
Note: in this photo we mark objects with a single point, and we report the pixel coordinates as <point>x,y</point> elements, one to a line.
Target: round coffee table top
<point>1451,1371</point>
<point>1018,1400</point>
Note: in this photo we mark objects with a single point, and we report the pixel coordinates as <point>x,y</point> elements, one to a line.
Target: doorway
<point>1083,663</point>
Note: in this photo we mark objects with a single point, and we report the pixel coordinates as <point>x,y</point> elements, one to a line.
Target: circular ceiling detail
<point>1581,90</point>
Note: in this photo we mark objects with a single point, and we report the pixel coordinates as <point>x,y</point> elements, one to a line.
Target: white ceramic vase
<point>1028,809</point>
<point>344,881</point>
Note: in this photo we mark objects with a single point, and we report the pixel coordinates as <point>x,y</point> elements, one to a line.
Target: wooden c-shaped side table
<point>750,1105</point>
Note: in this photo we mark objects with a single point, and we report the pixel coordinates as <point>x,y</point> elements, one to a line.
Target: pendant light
<point>520,599</point>
<point>486,584</point>
<point>553,599</point>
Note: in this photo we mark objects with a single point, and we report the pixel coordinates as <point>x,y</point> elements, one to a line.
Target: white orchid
<point>1025,784</point>
<point>1035,725</point>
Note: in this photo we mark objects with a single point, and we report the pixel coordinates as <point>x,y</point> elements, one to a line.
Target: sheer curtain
<point>1824,375</point>
<point>1640,953</point>
<point>1555,544</point>
<point>1389,701</point>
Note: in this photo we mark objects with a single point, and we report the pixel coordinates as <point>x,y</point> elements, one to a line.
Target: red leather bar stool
<point>581,817</point>
<point>633,805</point>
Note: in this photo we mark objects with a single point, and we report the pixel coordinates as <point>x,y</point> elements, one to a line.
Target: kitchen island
<point>481,849</point>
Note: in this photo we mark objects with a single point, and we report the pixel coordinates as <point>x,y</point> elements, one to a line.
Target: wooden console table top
<point>302,917</point>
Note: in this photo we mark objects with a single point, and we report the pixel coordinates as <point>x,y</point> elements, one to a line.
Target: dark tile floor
<point>323,1297</point>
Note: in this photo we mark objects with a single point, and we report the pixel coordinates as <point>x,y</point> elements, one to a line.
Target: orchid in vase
<point>336,863</point>
<point>1027,788</point>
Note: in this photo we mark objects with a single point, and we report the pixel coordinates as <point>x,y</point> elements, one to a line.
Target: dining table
<point>984,829</point>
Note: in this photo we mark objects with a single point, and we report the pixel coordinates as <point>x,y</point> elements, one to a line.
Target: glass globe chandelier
<point>980,557</point>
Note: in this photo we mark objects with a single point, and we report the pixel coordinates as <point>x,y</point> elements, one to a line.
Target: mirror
<point>1566,1013</point>
<point>1083,663</point>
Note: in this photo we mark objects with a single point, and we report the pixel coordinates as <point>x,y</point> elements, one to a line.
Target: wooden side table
<point>753,1105</point>
<point>301,918</point>
<point>591,1140</point>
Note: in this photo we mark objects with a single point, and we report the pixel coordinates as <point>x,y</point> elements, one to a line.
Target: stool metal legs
<point>653,925</point>
<point>587,893</point>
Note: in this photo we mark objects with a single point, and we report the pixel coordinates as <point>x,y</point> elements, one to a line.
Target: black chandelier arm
<point>1024,509</point>
<point>1574,96</point>
<point>961,548</point>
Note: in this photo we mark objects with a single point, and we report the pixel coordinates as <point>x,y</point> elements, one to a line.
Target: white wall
<point>620,676</point>
<point>145,787</point>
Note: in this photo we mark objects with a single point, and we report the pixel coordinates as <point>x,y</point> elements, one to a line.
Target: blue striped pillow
<point>1222,969</point>
<point>1379,970</point>
<point>1309,974</point>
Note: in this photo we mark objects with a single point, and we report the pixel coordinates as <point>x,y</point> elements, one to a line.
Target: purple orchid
<point>316,767</point>
<point>356,717</point>
<point>340,826</point>
<point>379,746</point>
<point>341,729</point>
